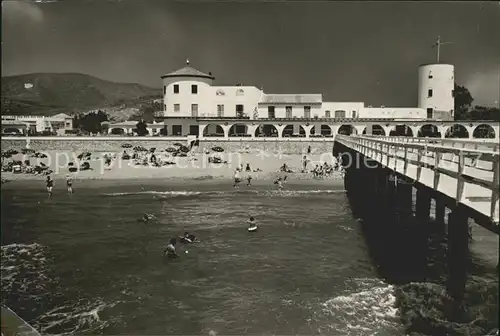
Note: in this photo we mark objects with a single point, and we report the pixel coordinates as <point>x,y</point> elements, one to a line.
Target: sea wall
<point>284,146</point>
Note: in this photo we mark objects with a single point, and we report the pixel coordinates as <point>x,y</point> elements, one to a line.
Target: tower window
<point>288,110</point>
<point>328,114</point>
<point>164,90</point>
<point>429,93</point>
<point>194,89</point>
<point>307,112</point>
<point>176,88</point>
<point>177,107</point>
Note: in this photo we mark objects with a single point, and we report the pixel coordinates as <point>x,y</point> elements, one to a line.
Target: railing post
<point>419,163</point>
<point>460,179</point>
<point>405,162</point>
<point>437,158</point>
<point>494,191</point>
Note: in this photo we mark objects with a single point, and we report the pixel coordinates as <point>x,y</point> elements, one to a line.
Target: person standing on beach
<point>237,178</point>
<point>249,179</point>
<point>50,184</point>
<point>69,183</point>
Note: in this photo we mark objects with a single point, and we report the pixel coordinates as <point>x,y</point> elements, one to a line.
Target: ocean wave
<point>230,192</point>
<point>24,269</point>
<point>362,312</point>
<point>79,317</point>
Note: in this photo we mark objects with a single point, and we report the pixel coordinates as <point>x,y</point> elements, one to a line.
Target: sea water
<point>85,263</point>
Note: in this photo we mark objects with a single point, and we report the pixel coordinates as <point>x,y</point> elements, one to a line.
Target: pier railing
<point>470,176</point>
<point>477,143</point>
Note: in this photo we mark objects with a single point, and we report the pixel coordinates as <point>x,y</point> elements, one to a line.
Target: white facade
<point>435,90</point>
<point>56,123</point>
<point>189,93</point>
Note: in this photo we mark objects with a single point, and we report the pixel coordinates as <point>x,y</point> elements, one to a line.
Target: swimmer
<point>251,223</point>
<point>50,184</point>
<point>188,238</point>
<point>249,180</point>
<point>69,183</point>
<point>170,249</point>
<point>148,217</point>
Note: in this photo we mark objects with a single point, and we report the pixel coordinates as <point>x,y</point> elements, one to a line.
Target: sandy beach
<point>193,167</point>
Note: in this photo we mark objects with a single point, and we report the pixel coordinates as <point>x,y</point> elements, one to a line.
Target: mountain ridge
<point>71,93</point>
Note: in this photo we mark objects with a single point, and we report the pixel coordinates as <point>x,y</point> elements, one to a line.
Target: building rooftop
<point>188,71</point>
<point>292,99</point>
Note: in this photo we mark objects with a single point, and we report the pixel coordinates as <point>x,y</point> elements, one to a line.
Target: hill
<point>49,93</point>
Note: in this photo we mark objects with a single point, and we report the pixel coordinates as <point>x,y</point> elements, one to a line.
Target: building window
<point>239,111</point>
<point>220,93</point>
<point>328,114</point>
<point>453,93</point>
<point>164,89</point>
<point>339,114</point>
<point>176,129</point>
<point>165,107</point>
<point>176,88</point>
<point>240,92</point>
<point>288,110</point>
<point>430,112</point>
<point>177,107</point>
<point>271,112</point>
<point>220,110</point>
<point>354,114</point>
<point>194,110</point>
<point>307,112</point>
<point>429,93</point>
<point>194,89</point>
<point>430,75</point>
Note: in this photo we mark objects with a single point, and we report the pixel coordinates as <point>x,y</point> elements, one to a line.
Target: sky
<point>348,51</point>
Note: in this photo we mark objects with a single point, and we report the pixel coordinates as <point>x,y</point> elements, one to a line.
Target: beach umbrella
<point>126,145</point>
<point>171,150</point>
<point>184,149</point>
<point>218,149</point>
<point>27,151</point>
<point>178,144</point>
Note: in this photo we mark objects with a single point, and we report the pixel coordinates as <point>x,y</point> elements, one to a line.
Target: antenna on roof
<point>187,61</point>
<point>438,44</point>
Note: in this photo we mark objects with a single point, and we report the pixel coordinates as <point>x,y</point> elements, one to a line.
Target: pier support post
<point>404,199</point>
<point>423,204</point>
<point>458,252</point>
<point>440,210</point>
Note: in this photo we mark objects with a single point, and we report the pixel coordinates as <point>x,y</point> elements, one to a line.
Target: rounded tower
<point>436,83</point>
<point>186,92</point>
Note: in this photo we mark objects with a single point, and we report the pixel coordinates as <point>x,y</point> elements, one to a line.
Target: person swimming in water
<point>251,223</point>
<point>188,238</point>
<point>49,184</point>
<point>147,217</point>
<point>170,249</point>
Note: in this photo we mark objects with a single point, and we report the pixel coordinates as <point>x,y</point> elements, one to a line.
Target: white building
<point>190,95</point>
<point>58,123</point>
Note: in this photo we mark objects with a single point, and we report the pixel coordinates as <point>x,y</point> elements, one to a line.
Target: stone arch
<point>429,130</point>
<point>213,130</point>
<point>484,131</point>
<point>117,131</point>
<point>456,131</point>
<point>347,129</point>
<point>238,130</point>
<point>291,130</point>
<point>401,130</point>
<point>266,130</point>
<point>326,131</point>
<point>376,130</point>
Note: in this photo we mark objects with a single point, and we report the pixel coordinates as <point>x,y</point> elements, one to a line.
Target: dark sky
<point>349,51</point>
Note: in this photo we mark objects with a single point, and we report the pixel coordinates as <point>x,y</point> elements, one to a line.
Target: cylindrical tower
<point>435,90</point>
